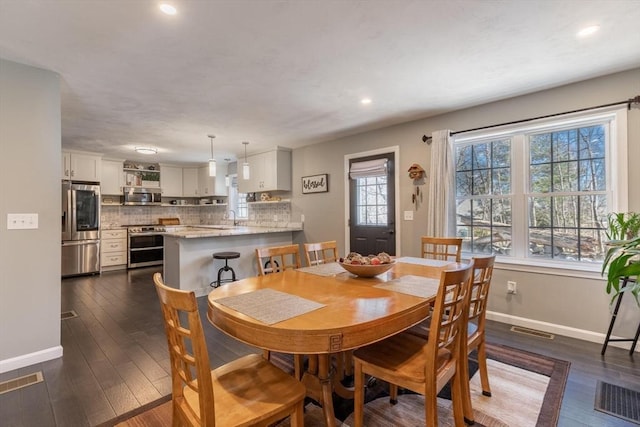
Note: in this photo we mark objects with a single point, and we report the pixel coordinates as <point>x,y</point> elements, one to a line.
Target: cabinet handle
<point>72,173</point>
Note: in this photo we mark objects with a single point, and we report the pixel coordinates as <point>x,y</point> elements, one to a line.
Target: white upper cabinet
<point>171,181</point>
<point>81,166</point>
<point>112,177</point>
<point>190,182</point>
<point>209,185</point>
<point>269,171</point>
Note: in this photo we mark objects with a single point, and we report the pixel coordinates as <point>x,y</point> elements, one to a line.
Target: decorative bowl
<point>367,270</point>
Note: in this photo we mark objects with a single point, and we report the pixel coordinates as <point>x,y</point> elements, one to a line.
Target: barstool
<point>226,256</point>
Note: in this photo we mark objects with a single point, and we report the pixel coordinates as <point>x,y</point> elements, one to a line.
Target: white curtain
<point>369,168</point>
<point>441,201</point>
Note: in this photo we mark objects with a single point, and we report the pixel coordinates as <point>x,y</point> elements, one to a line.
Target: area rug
<point>527,390</point>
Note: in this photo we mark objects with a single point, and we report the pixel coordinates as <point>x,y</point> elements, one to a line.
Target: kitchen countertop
<point>201,231</point>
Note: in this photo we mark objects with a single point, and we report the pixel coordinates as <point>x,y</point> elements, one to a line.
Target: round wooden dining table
<point>353,312</point>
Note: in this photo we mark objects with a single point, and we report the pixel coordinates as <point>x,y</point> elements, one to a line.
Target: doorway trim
<point>396,157</point>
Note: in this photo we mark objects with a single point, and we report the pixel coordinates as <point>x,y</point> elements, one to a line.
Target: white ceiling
<point>292,73</point>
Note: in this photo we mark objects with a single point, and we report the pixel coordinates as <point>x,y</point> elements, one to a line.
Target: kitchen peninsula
<point>188,252</point>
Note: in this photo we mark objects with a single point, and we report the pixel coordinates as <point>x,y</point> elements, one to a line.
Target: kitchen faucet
<point>235,221</point>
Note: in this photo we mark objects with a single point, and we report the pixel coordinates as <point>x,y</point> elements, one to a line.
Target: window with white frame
<point>541,191</point>
<point>237,201</point>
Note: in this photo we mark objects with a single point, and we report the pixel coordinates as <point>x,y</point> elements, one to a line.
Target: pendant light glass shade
<point>227,179</point>
<point>212,167</point>
<point>212,161</point>
<point>246,173</point>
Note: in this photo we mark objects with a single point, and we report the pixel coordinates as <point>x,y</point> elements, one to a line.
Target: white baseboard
<point>18,362</point>
<point>566,331</point>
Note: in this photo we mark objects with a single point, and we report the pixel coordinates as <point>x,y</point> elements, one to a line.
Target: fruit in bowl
<point>367,266</point>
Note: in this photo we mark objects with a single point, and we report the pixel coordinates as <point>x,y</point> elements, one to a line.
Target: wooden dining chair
<point>443,248</point>
<point>439,248</point>
<point>275,259</point>
<point>422,365</point>
<point>278,258</point>
<point>475,338</point>
<point>246,391</point>
<point>321,252</point>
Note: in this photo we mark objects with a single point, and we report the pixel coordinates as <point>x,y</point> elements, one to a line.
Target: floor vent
<point>532,332</point>
<point>68,315</point>
<point>618,401</point>
<point>16,383</point>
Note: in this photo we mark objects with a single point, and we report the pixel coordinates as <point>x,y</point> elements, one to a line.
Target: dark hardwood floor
<point>115,359</point>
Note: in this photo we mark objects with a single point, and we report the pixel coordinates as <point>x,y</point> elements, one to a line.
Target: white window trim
<point>617,180</point>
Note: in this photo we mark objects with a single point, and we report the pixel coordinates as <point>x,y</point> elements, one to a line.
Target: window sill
<point>569,269</point>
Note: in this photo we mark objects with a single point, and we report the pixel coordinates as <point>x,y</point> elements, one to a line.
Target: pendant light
<point>246,173</point>
<point>212,161</point>
<point>227,180</point>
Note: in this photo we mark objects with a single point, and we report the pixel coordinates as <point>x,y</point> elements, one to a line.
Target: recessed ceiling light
<point>365,101</point>
<point>587,31</point>
<point>168,9</point>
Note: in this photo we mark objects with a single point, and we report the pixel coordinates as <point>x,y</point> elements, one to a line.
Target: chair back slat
<point>483,271</point>
<point>448,315</point>
<point>278,258</point>
<point>442,248</point>
<point>321,252</point>
<point>187,349</point>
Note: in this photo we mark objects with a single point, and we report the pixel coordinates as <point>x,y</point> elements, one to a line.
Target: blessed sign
<point>315,184</point>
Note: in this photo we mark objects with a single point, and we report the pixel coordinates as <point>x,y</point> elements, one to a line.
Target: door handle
<point>391,231</point>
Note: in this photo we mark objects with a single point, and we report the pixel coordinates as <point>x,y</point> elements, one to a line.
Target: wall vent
<point>68,315</point>
<point>532,332</point>
<point>16,383</point>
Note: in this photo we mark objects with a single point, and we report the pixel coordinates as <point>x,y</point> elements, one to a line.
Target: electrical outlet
<point>511,287</point>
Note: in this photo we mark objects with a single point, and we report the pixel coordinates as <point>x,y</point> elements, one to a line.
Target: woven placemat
<point>423,261</point>
<point>270,306</point>
<point>329,269</point>
<point>418,286</point>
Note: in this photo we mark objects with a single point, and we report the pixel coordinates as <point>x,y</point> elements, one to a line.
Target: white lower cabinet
<point>113,249</point>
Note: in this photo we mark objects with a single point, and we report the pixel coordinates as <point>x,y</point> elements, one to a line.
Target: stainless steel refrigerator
<point>80,228</point>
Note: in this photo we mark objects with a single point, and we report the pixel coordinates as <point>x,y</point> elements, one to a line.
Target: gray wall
<point>30,177</point>
<point>567,305</point>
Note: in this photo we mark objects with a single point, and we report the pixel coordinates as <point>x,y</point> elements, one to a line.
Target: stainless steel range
<point>146,245</point>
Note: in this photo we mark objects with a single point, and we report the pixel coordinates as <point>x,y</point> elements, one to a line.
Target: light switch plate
<point>408,215</point>
<point>22,221</point>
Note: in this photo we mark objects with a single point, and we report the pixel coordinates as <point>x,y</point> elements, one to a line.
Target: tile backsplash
<point>260,214</point>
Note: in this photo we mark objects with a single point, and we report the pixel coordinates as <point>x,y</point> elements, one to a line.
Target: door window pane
<point>372,200</point>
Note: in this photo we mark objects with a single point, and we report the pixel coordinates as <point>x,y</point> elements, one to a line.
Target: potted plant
<point>622,260</point>
<point>150,179</point>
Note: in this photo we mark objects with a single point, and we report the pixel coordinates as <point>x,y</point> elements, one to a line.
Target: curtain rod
<point>635,101</point>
